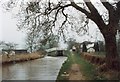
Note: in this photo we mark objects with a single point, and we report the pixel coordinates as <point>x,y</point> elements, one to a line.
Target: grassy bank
<point>65,67</point>
<point>87,69</point>
<point>20,57</point>
<point>98,59</point>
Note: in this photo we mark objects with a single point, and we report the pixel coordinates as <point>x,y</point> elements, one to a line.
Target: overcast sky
<point>9,31</point>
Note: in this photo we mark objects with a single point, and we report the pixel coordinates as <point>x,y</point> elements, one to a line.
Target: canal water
<point>40,69</point>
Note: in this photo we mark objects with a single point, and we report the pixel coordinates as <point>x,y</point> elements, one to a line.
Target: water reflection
<point>41,69</point>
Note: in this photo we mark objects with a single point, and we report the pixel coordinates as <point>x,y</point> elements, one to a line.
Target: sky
<point>9,31</point>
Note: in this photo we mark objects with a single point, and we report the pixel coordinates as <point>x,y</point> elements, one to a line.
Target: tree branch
<point>58,6</point>
<point>110,9</point>
<point>90,6</point>
<point>65,15</point>
<point>107,5</point>
<point>80,9</point>
<point>118,11</point>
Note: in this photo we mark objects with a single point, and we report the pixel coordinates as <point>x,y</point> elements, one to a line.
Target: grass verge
<point>87,69</point>
<point>65,67</point>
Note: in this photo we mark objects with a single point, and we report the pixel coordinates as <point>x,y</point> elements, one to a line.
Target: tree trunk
<point>112,57</point>
<point>31,49</point>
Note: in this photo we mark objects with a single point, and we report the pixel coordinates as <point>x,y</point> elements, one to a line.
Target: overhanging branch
<point>90,6</point>
<point>107,5</point>
<point>80,9</point>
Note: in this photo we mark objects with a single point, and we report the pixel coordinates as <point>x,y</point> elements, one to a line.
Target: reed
<point>20,57</point>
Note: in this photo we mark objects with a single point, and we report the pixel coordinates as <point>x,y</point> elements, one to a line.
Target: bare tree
<point>71,42</point>
<point>36,42</point>
<point>8,45</point>
<point>46,16</point>
<point>84,48</point>
<point>30,41</point>
<point>96,47</point>
<point>53,41</point>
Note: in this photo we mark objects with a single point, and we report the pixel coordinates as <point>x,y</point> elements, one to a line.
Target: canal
<point>40,69</point>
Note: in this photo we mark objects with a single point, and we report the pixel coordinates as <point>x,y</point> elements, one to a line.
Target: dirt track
<point>75,73</point>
